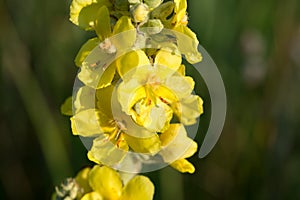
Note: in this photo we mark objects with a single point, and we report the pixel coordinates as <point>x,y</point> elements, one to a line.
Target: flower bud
<point>153,3</point>
<point>140,12</point>
<point>154,26</point>
<point>163,11</point>
<point>121,5</point>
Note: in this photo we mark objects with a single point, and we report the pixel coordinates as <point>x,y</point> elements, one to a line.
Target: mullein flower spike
<point>134,99</point>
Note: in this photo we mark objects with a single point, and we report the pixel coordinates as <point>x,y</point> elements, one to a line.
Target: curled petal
<point>188,44</point>
<point>183,166</point>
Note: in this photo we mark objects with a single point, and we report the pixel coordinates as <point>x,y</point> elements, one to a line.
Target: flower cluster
<point>133,98</point>
<point>101,182</point>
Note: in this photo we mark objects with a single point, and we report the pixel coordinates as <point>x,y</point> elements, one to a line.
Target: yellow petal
<point>85,123</point>
<point>180,10</point>
<point>189,109</point>
<point>143,145</point>
<point>85,99</point>
<point>106,152</point>
<point>102,23</point>
<point>183,166</point>
<point>129,93</point>
<point>106,182</point>
<point>128,36</point>
<point>138,188</point>
<point>85,50</point>
<point>84,12</point>
<point>92,196</point>
<point>176,144</point>
<point>82,179</point>
<point>168,59</point>
<point>155,116</point>
<point>181,70</point>
<point>103,97</point>
<point>188,44</point>
<point>181,86</point>
<point>66,107</point>
<point>130,61</point>
<point>108,76</point>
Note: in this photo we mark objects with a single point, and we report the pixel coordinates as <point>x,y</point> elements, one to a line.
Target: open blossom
<point>104,183</point>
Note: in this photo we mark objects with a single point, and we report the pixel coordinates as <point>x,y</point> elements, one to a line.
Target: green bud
<point>134,1</point>
<point>155,26</point>
<point>140,12</point>
<point>153,3</point>
<point>121,5</point>
<point>163,11</point>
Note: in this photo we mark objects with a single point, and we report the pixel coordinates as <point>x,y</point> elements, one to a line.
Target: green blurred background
<point>255,44</point>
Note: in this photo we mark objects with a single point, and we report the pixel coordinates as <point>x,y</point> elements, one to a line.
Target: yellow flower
<point>152,94</point>
<point>104,183</point>
<point>111,139</point>
<point>176,147</point>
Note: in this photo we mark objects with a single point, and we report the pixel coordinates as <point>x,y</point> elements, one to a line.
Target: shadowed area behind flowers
<point>255,44</point>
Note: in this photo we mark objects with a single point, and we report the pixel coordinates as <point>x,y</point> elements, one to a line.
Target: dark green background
<point>255,44</point>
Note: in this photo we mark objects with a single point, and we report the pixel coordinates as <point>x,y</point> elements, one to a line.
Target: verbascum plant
<point>132,99</point>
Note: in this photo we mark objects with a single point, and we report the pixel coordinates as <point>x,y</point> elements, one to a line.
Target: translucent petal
<point>82,179</point>
<point>182,86</point>
<point>189,109</point>
<point>129,93</point>
<point>168,59</point>
<point>105,181</point>
<point>97,77</point>
<point>85,99</point>
<point>85,50</point>
<point>85,123</point>
<point>92,196</point>
<point>106,152</point>
<point>66,107</point>
<point>155,116</point>
<point>188,45</point>
<point>84,12</point>
<point>176,144</point>
<point>130,61</point>
<point>183,166</point>
<point>128,36</point>
<point>102,23</point>
<point>108,76</point>
<point>143,145</point>
<point>138,188</point>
